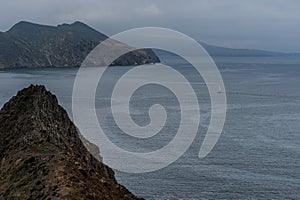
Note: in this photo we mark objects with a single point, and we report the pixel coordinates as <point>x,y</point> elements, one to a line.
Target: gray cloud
<point>263,24</point>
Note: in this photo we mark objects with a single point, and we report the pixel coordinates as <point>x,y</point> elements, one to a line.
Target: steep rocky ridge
<point>42,156</point>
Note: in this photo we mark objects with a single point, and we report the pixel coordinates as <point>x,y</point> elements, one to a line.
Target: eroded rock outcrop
<point>42,156</point>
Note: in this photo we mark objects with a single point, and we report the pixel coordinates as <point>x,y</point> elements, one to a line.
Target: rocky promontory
<point>33,45</point>
<point>43,157</point>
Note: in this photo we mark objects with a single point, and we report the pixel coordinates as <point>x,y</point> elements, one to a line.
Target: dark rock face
<point>42,156</point>
<point>32,45</point>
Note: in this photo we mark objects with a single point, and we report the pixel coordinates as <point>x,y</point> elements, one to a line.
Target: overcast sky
<point>262,24</point>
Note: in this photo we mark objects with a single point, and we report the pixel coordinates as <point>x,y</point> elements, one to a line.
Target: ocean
<point>257,155</point>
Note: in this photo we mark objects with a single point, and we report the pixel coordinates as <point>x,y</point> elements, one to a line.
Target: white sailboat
<point>220,90</point>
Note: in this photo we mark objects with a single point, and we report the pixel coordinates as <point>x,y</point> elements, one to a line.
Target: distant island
<point>32,45</point>
<point>217,51</point>
<point>28,44</point>
<point>231,52</point>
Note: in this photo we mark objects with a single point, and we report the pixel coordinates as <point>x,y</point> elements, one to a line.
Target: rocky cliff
<point>32,45</point>
<point>42,156</point>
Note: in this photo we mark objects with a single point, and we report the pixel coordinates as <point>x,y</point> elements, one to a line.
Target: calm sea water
<point>257,156</point>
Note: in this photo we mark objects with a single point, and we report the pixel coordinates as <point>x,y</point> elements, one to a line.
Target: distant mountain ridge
<point>28,44</point>
<point>216,51</point>
<point>232,52</point>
